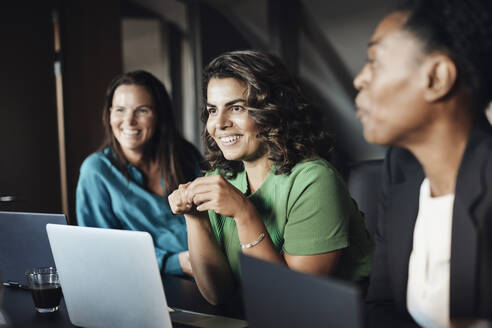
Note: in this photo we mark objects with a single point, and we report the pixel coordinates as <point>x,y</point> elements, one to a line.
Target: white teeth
<point>229,139</point>
<point>130,132</point>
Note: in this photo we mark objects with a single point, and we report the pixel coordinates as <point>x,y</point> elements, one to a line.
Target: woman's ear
<point>442,75</point>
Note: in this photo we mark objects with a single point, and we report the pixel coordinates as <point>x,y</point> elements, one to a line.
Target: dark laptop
<point>275,296</point>
<point>24,243</point>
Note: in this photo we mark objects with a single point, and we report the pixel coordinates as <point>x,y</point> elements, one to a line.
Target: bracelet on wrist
<point>254,243</point>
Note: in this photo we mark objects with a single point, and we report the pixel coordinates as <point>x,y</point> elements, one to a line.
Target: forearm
<point>250,226</point>
<point>210,267</point>
<point>171,265</point>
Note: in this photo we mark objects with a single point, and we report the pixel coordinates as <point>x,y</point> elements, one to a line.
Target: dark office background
<point>58,56</point>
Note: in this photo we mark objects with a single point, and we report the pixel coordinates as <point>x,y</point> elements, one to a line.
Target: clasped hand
<point>208,193</point>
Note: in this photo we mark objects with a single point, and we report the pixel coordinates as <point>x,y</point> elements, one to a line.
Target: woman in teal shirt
<point>143,158</point>
<point>271,192</point>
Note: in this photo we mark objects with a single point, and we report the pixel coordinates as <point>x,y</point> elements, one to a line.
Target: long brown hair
<point>176,156</point>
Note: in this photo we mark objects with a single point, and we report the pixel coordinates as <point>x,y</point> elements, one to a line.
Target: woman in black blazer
<point>423,91</point>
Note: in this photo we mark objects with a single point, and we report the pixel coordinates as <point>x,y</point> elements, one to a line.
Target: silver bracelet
<point>254,243</point>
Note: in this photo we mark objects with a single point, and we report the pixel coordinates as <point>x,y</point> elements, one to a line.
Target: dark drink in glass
<point>46,289</point>
<point>47,297</point>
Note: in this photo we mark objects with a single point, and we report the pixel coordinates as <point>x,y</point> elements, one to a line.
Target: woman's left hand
<point>217,194</point>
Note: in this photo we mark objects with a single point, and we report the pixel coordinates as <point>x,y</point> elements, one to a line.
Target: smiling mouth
<point>229,140</point>
<point>130,133</point>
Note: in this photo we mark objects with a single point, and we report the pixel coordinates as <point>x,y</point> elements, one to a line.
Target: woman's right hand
<point>178,202</point>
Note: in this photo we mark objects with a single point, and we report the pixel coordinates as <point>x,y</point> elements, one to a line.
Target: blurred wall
<point>145,46</point>
<point>29,166</point>
<point>91,57</point>
<point>87,57</point>
<point>341,26</point>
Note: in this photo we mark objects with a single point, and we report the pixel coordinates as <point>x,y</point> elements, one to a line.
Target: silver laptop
<point>110,278</point>
<point>23,242</point>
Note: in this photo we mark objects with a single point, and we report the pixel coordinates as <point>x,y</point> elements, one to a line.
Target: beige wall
<point>144,44</point>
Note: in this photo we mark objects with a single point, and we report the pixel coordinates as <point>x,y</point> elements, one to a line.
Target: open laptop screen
<point>24,243</point>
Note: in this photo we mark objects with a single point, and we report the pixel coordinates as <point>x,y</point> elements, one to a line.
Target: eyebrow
<point>229,103</point>
<point>373,43</point>
<point>138,107</point>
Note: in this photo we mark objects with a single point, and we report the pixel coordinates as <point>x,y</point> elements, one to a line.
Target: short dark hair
<point>174,153</point>
<point>290,129</point>
<point>463,30</point>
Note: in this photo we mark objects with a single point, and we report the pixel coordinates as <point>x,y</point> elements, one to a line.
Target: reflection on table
<point>180,293</point>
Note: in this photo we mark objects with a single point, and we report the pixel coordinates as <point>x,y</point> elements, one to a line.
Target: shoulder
<point>99,162</point>
<point>316,178</point>
<point>313,169</point>
<point>477,158</point>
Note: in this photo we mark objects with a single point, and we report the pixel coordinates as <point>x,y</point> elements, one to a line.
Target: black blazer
<point>471,241</point>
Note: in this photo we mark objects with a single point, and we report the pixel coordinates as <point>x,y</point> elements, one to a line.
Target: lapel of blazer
<point>401,217</point>
<point>464,240</point>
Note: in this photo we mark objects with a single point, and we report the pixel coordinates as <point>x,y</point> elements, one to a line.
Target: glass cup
<point>45,287</point>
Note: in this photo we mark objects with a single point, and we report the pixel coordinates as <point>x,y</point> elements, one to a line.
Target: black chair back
<point>364,184</point>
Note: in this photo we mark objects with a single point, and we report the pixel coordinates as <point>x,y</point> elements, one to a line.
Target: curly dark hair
<point>290,129</point>
<point>166,145</point>
<point>463,29</point>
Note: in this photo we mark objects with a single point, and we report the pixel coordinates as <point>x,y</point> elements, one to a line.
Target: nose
<point>222,121</point>
<point>361,79</point>
<point>129,117</point>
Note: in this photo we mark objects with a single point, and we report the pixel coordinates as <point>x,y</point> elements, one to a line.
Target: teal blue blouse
<point>106,198</point>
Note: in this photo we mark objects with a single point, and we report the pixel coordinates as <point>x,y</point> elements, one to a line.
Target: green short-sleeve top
<point>306,212</point>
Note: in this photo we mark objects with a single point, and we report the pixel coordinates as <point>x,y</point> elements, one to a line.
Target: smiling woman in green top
<point>271,192</point>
